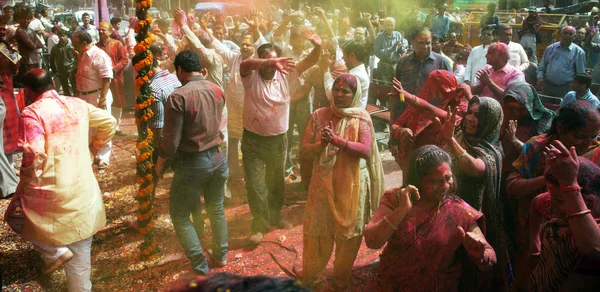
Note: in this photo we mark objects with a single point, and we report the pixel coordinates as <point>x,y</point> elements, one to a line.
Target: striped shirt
<point>163,84</point>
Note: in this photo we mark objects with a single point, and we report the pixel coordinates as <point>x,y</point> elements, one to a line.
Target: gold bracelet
<point>390,223</point>
<point>580,213</point>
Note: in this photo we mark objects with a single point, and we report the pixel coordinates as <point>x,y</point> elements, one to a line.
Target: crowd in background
<point>501,188</point>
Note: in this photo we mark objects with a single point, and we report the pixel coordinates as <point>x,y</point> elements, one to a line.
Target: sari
<point>344,190</point>
<point>413,130</point>
<point>530,164</point>
<point>426,255</point>
<point>483,193</point>
<point>337,181</point>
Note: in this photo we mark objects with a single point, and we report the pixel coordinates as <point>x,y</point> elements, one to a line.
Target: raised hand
<point>405,195</point>
<point>283,65</point>
<point>325,60</point>
<point>312,37</point>
<point>399,91</point>
<point>179,16</point>
<point>474,244</point>
<point>366,16</point>
<point>511,129</point>
<point>203,22</point>
<point>563,162</point>
<point>447,127</point>
<point>253,21</point>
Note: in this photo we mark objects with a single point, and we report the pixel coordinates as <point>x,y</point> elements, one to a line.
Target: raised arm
<point>386,219</point>
<point>564,164</point>
<point>472,166</point>
<point>253,23</point>
<point>313,56</point>
<point>370,28</point>
<point>283,65</point>
<point>323,17</point>
<point>283,25</point>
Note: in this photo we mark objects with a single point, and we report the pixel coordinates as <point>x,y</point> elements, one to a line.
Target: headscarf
<point>526,94</point>
<point>438,79</point>
<point>345,206</point>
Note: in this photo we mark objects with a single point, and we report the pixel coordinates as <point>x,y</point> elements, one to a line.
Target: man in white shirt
<point>89,28</point>
<point>518,57</point>
<point>354,53</point>
<point>266,122</point>
<point>94,74</point>
<point>477,60</point>
<point>38,28</point>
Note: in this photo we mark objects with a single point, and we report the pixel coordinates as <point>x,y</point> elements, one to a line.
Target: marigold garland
<point>142,63</point>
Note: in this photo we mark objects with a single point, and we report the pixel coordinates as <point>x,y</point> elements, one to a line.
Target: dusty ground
<point>115,263</point>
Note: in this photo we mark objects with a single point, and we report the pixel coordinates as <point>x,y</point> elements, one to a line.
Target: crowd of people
<point>499,191</point>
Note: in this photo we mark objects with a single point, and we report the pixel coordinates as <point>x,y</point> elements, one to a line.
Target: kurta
<point>319,218</point>
<point>119,57</point>
<point>58,191</point>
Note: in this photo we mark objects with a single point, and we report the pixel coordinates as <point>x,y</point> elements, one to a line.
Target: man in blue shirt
<point>561,62</point>
<point>389,47</point>
<point>440,25</point>
<point>581,91</point>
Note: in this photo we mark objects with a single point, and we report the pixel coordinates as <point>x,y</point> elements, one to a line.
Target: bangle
<point>534,254</point>
<point>385,219</point>
<point>416,101</point>
<point>580,213</point>
<point>571,188</point>
<point>462,155</point>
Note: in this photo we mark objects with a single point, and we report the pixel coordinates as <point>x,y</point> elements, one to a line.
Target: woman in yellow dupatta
<point>346,185</point>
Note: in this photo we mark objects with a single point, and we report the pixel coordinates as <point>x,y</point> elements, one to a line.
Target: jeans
<point>197,174</point>
<point>264,160</point>
<point>78,269</point>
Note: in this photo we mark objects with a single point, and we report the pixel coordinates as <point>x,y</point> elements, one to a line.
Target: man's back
<point>193,116</point>
<point>59,190</point>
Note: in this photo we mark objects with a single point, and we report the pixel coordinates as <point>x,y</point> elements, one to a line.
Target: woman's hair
<point>575,116</point>
<point>588,177</point>
<point>422,161</point>
<point>233,283</point>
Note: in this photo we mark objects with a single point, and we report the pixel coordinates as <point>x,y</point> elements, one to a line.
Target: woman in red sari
<point>429,232</point>
<point>414,128</point>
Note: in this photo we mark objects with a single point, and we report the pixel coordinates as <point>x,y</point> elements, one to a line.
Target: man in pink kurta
<point>497,74</point>
<point>118,54</point>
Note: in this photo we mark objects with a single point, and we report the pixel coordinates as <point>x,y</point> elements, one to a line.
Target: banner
<point>103,14</point>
